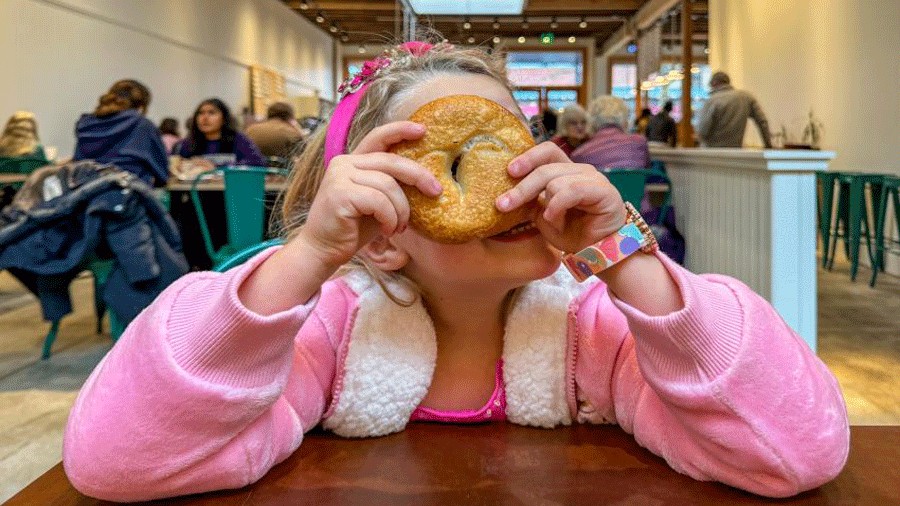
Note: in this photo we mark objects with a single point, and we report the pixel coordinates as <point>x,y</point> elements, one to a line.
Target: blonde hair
<point>20,137</point>
<point>608,110</point>
<point>572,113</point>
<point>381,98</point>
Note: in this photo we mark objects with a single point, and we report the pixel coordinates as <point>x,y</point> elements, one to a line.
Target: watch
<point>633,236</point>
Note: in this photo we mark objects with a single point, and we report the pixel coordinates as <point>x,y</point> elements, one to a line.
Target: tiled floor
<point>859,339</point>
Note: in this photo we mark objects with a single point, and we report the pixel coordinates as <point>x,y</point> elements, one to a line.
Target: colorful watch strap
<point>612,249</point>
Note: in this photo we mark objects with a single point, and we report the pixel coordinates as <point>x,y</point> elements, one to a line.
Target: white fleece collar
<point>391,357</point>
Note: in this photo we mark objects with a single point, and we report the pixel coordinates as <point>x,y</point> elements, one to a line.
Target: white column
<point>751,214</point>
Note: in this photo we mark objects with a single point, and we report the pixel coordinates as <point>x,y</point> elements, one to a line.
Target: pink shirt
<point>493,411</point>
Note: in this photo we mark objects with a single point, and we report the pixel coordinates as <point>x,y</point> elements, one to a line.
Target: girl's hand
<point>360,195</point>
<point>577,204</point>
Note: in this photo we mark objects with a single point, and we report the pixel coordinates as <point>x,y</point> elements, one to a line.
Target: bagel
<point>468,144</point>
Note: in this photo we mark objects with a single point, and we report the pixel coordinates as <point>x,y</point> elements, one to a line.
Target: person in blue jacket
<point>118,133</point>
<point>214,140</point>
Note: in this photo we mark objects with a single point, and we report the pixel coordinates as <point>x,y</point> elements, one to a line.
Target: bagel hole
<point>455,167</point>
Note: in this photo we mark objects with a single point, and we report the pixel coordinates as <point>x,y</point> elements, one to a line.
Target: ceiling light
<point>525,23</point>
<point>583,23</point>
<point>320,18</point>
<point>572,39</point>
<point>304,5</point>
<point>471,40</point>
<point>496,24</point>
<point>496,39</point>
<point>705,50</point>
<point>344,37</point>
<point>553,23</point>
<point>362,49</point>
<point>521,39</point>
<point>467,25</point>
<point>468,7</point>
<point>333,28</point>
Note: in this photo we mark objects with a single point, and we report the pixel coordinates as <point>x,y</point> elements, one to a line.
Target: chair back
<point>631,184</point>
<point>245,254</point>
<point>21,164</point>
<point>245,189</point>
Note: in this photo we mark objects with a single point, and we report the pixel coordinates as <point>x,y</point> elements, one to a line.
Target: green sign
<point>547,38</point>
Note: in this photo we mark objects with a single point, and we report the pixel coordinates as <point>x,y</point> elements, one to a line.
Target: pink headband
<point>351,92</point>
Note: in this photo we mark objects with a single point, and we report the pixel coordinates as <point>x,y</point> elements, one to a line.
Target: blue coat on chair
<point>67,216</point>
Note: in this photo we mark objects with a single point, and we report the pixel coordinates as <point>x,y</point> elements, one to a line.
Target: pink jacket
<point>202,394</point>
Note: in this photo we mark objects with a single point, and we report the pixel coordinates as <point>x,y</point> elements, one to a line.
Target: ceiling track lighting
<point>362,49</point>
<point>525,23</point>
<point>344,37</point>
<point>320,18</point>
<point>496,24</point>
<point>553,23</point>
<point>467,25</point>
<point>583,23</point>
<point>304,5</point>
<point>470,40</point>
<point>496,39</point>
<point>521,39</point>
<point>333,28</point>
<point>572,39</point>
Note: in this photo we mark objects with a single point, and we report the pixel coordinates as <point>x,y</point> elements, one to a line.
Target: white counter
<point>751,214</point>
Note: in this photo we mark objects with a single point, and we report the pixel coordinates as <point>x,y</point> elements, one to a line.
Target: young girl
<point>218,380</point>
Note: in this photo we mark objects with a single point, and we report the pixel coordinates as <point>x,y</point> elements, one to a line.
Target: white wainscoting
<point>751,214</point>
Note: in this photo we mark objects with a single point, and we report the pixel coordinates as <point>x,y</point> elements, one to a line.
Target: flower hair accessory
<point>351,91</point>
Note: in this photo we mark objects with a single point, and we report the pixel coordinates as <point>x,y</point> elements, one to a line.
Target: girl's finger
<point>533,184</point>
<point>576,195</point>
<point>389,187</point>
<point>402,169</point>
<point>368,201</point>
<point>543,154</point>
<point>383,137</point>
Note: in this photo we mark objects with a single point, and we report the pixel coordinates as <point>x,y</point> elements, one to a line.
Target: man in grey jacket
<point>724,117</point>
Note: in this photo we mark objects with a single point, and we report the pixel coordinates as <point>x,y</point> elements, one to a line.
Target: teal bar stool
<point>824,206</point>
<point>853,223</point>
<point>890,190</point>
<point>245,254</point>
<point>245,189</point>
<point>631,184</point>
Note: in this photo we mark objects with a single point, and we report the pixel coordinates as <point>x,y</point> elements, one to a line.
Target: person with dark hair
<point>640,123</point>
<point>118,133</point>
<point>279,134</point>
<point>213,137</point>
<point>170,134</point>
<point>661,127</point>
<point>548,118</point>
<point>723,119</point>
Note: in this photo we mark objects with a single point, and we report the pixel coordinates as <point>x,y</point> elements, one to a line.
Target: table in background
<point>12,178</point>
<point>507,464</point>
<point>213,201</point>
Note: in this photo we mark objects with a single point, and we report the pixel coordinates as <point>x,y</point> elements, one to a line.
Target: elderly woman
<point>571,128</point>
<point>611,147</point>
<point>20,137</point>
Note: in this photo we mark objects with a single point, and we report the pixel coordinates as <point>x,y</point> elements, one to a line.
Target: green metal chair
<point>890,190</point>
<point>245,254</point>
<point>631,184</point>
<point>853,223</point>
<point>824,203</point>
<point>245,189</point>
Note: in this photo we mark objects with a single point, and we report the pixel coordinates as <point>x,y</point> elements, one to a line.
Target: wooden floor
<point>859,339</point>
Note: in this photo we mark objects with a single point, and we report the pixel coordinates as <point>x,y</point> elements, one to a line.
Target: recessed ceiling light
<point>572,39</point>
<point>521,39</point>
<point>304,5</point>
<point>471,40</point>
<point>320,18</point>
<point>496,39</point>
<point>333,28</point>
<point>583,23</point>
<point>467,25</point>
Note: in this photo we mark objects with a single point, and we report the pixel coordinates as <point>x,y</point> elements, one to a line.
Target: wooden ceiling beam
<point>595,6</point>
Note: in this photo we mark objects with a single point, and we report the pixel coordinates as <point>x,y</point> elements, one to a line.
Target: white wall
<point>836,57</point>
<point>59,56</point>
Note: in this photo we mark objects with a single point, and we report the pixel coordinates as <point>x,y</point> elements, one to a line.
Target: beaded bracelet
<point>612,249</point>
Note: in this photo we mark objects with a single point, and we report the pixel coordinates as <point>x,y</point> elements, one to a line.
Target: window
<point>546,79</point>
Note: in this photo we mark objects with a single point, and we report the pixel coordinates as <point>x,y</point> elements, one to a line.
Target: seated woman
<point>214,141</point>
<point>20,138</point>
<point>168,129</point>
<point>611,147</point>
<point>118,133</point>
<point>571,129</point>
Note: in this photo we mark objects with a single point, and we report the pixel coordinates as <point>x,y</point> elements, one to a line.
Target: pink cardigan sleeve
<point>722,389</point>
<point>199,394</point>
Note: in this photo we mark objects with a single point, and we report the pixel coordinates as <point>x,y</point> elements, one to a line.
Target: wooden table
<point>507,464</point>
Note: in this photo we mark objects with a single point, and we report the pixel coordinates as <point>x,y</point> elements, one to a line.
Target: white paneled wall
<point>752,215</point>
<point>59,56</point>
